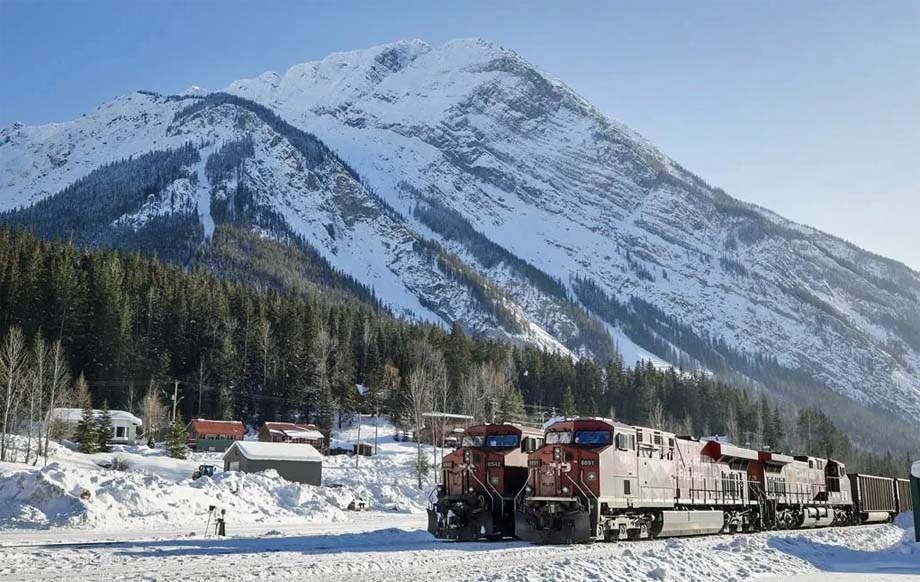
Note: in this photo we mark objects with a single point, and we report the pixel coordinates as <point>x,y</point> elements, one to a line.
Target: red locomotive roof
<point>224,427</point>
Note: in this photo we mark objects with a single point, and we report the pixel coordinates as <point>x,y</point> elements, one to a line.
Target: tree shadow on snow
<point>387,540</point>
<point>901,558</point>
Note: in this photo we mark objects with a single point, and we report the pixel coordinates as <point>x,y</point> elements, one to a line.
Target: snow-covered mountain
<point>463,184</point>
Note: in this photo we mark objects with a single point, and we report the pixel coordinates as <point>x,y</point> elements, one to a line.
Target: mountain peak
<point>194,90</point>
<point>581,227</point>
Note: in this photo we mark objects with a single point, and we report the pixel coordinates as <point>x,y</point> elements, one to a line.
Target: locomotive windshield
<point>498,441</point>
<point>592,438</point>
<point>562,437</point>
<point>473,442</point>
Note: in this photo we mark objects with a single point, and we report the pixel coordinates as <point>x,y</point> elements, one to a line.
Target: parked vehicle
<point>204,471</point>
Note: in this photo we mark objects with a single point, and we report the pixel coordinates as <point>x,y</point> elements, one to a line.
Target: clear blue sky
<point>811,109</point>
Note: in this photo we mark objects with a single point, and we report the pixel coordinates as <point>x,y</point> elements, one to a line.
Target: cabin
<point>125,426</point>
<point>214,435</point>
<point>442,427</point>
<point>297,462</point>
<point>289,432</point>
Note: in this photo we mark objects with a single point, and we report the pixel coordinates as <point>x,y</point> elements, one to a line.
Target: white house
<point>125,426</point>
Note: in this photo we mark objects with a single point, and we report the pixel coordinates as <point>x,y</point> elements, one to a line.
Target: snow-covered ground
<point>74,519</point>
<point>399,549</point>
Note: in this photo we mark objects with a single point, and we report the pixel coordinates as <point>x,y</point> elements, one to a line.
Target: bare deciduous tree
<point>471,394</point>
<point>13,358</point>
<point>657,418</point>
<point>154,412</point>
<point>427,374</point>
<point>36,373</point>
<point>58,394</point>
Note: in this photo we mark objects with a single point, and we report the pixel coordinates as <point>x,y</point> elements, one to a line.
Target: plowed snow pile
<point>74,491</point>
<point>57,495</point>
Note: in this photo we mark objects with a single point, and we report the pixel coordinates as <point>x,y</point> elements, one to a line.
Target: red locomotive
<point>595,479</point>
<point>480,482</point>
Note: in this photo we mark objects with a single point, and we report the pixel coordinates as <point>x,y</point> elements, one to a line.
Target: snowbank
<point>58,495</point>
<point>78,490</point>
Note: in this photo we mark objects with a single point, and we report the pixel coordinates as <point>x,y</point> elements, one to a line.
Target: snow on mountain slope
<point>494,195</point>
<point>541,172</point>
<point>319,201</point>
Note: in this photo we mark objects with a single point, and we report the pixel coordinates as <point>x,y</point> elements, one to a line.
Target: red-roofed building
<point>289,432</point>
<point>214,435</point>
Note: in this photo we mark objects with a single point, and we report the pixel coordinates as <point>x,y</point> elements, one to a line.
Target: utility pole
<point>376,419</point>
<point>175,399</point>
<point>358,446</point>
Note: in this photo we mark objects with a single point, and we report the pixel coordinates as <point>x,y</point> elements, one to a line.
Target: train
<point>480,481</point>
<point>595,479</point>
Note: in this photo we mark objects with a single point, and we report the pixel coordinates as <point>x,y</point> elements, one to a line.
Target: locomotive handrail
<point>581,477</point>
<point>486,489</point>
<point>530,471</point>
<point>569,477</point>
<point>497,492</point>
<point>433,490</point>
<point>587,498</point>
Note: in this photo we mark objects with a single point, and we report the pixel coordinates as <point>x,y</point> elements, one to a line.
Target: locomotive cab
<point>480,479</point>
<point>560,503</point>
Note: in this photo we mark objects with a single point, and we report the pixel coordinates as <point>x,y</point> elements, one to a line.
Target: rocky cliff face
<point>462,184</point>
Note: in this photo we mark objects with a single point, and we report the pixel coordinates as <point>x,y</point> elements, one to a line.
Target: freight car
<point>595,479</point>
<point>874,498</point>
<point>480,480</point>
<point>902,493</point>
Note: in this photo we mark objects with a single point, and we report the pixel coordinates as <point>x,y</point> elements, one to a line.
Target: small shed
<point>125,426</point>
<point>296,462</point>
<point>289,432</point>
<point>363,449</point>
<point>214,435</point>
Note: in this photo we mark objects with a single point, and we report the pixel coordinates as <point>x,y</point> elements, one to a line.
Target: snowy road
<point>362,551</point>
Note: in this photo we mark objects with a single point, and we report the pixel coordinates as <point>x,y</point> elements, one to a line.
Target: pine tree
<point>511,406</point>
<point>104,429</point>
<point>777,429</point>
<point>176,446</point>
<point>86,433</point>
<point>569,408</point>
<point>326,411</point>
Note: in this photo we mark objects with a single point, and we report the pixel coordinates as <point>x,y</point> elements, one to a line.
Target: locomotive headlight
<point>528,489</point>
<point>566,490</point>
<point>470,489</point>
<point>466,456</point>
